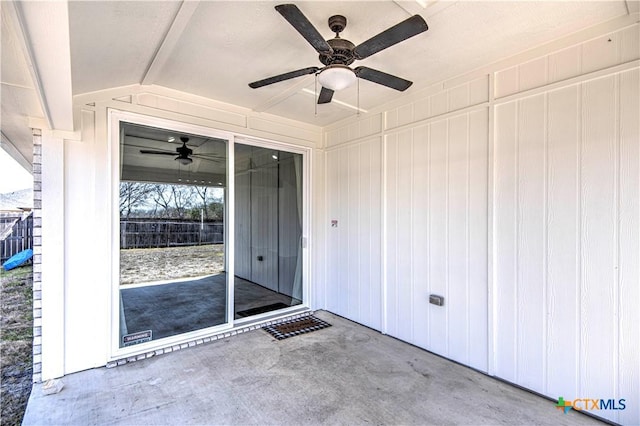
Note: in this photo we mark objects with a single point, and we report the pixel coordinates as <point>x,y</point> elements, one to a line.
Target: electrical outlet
<point>436,300</point>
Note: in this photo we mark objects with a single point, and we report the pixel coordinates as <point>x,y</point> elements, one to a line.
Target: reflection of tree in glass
<point>209,203</point>
<point>146,200</point>
<point>182,199</point>
<point>163,199</point>
<point>133,195</point>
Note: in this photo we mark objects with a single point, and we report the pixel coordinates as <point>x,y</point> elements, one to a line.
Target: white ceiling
<point>226,45</point>
<point>215,48</point>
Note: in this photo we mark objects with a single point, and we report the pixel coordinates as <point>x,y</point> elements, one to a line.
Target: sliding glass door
<point>177,278</point>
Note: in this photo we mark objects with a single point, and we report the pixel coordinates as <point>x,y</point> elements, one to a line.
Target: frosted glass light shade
<point>184,160</point>
<point>337,77</point>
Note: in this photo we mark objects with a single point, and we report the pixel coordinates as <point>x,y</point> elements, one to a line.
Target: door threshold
<point>240,326</point>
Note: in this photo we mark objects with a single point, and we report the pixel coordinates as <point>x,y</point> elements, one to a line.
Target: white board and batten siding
<point>354,245</point>
<point>567,246</point>
<point>410,197</point>
<point>436,233</point>
<point>516,196</point>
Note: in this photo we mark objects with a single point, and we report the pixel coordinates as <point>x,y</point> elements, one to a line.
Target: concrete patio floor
<point>345,374</point>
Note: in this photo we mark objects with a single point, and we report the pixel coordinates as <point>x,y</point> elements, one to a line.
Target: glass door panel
<point>172,233</point>
<point>268,230</point>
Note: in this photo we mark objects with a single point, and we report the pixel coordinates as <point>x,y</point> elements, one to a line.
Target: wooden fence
<point>16,233</point>
<point>149,233</point>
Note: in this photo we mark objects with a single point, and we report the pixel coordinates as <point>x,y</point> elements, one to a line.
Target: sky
<point>13,177</point>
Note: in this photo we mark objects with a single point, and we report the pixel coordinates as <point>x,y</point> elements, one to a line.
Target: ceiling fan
<point>184,153</point>
<point>338,53</point>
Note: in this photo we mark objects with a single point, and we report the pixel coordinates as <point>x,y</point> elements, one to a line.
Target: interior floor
<point>180,307</point>
<point>344,374</point>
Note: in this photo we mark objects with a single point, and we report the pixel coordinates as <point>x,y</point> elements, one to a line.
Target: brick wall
<point>37,256</point>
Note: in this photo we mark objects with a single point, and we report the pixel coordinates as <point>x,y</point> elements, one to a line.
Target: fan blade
<point>213,160</point>
<point>383,78</point>
<point>146,151</point>
<point>325,96</point>
<point>211,155</point>
<point>294,16</point>
<point>399,32</point>
<point>283,77</point>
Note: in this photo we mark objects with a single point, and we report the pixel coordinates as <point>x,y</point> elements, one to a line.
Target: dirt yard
<point>16,338</point>
<point>157,264</point>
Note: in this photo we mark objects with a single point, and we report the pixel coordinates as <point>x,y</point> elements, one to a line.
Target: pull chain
<point>315,104</point>
<point>358,101</point>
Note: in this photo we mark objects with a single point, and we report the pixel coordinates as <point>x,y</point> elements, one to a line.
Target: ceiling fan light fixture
<point>185,161</point>
<point>337,77</point>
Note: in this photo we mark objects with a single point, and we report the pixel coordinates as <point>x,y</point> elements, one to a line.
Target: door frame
<point>115,117</point>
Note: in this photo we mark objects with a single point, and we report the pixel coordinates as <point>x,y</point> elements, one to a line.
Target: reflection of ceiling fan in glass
<point>184,153</point>
<point>253,167</point>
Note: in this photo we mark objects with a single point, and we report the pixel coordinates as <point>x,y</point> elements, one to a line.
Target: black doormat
<point>294,327</point>
<point>262,309</point>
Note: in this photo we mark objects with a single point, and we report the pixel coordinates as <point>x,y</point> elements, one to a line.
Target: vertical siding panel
<point>598,237</point>
<point>404,237</point>
<point>354,283</point>
<point>477,239</point>
<point>346,205</point>
<point>354,168</point>
<point>439,103</point>
<point>335,268</point>
<point>479,90</point>
<point>438,235</point>
<point>598,53</point>
<point>364,236</point>
<point>506,82</point>
<point>629,44</point>
<point>422,109</point>
<point>333,259</point>
<point>505,228</point>
<point>564,64</point>
<point>533,74</point>
<point>531,200</point>
<point>457,303</point>
<point>405,114</point>
<point>392,235</point>
<point>342,208</point>
<point>459,97</point>
<point>629,243</point>
<point>343,232</point>
<point>375,230</point>
<point>562,255</point>
<point>391,119</point>
<point>420,232</point>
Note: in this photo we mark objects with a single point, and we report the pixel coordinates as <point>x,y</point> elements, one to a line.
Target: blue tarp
<point>17,259</point>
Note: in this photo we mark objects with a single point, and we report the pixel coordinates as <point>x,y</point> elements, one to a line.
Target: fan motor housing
<point>342,52</point>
